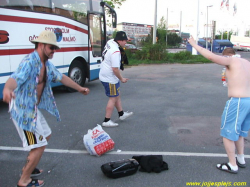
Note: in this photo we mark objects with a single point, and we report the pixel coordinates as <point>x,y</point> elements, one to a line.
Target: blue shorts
<point>235,120</point>
<point>111,90</point>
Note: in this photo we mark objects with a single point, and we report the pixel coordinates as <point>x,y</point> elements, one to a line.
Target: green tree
<point>174,39</point>
<point>162,24</point>
<point>161,31</point>
<point>114,34</point>
<point>115,3</point>
<point>224,35</point>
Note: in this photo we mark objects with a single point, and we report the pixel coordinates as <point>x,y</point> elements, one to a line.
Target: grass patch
<point>182,57</point>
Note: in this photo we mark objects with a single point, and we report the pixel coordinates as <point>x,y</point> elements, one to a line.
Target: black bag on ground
<point>151,163</point>
<point>120,168</point>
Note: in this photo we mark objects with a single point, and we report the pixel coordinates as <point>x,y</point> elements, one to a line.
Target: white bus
<point>79,25</point>
<point>240,42</point>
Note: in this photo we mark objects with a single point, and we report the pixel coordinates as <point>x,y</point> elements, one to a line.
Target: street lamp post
<point>155,23</point>
<point>167,29</point>
<point>196,33</point>
<point>207,26</point>
<point>180,23</point>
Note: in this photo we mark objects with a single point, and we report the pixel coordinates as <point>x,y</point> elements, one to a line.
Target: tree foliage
<point>224,35</point>
<point>115,3</point>
<point>174,39</point>
<point>162,24</point>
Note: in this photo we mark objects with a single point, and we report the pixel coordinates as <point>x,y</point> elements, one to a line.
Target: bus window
<point>33,5</point>
<point>76,10</point>
<point>41,6</point>
<point>4,2</point>
<point>96,34</point>
<point>21,4</point>
<point>62,10</point>
<point>96,5</point>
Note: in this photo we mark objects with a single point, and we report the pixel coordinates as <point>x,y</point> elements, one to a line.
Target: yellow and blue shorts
<point>111,90</point>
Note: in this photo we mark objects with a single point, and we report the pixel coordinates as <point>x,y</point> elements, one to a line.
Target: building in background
<point>132,29</point>
<point>135,31</point>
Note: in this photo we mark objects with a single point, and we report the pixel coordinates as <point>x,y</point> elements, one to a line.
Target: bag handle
<point>119,167</point>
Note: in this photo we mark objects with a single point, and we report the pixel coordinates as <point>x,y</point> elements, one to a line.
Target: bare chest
<point>42,76</point>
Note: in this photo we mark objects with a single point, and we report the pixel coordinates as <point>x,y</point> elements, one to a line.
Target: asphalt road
<point>177,111</point>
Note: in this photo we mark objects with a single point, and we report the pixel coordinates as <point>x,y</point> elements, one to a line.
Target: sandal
<point>33,183</point>
<point>228,169</point>
<point>36,172</point>
<point>240,165</point>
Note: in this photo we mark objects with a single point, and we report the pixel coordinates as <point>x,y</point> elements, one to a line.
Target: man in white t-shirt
<point>110,76</point>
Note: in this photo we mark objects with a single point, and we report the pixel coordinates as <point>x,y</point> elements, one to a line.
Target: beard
<point>47,54</point>
<point>50,56</point>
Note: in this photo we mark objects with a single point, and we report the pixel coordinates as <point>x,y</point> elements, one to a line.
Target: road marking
<point>125,152</point>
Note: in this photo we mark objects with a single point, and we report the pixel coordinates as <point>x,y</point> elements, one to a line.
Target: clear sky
<point>143,11</point>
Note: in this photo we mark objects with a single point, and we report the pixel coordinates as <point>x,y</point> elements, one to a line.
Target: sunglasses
<point>53,48</point>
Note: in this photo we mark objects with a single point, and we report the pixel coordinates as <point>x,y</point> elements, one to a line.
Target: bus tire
<point>77,73</point>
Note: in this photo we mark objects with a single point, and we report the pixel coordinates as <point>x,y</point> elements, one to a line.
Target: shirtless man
<point>235,120</point>
<point>28,90</point>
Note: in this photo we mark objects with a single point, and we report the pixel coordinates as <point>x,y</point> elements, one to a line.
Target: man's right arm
<point>8,91</point>
<point>115,62</point>
<point>118,74</point>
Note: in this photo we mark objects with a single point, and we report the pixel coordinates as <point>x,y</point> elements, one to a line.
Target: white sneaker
<point>125,115</point>
<point>109,124</point>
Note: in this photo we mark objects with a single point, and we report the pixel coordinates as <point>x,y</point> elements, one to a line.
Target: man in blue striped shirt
<point>28,90</point>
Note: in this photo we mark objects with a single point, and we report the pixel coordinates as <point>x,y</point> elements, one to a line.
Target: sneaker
<point>125,115</point>
<point>109,124</point>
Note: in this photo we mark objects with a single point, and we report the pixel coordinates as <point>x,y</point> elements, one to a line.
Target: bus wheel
<point>77,73</point>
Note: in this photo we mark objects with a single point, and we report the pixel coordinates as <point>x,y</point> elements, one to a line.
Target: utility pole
<point>155,23</point>
<point>196,35</point>
<point>207,27</point>
<point>167,29</point>
<point>180,23</point>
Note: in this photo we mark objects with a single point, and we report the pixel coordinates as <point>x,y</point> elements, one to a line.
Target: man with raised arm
<point>235,120</point>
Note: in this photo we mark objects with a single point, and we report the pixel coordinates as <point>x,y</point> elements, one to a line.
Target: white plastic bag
<point>97,141</point>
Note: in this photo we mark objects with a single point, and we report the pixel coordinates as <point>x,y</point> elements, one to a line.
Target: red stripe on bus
<point>27,51</point>
<point>40,21</point>
<point>244,46</point>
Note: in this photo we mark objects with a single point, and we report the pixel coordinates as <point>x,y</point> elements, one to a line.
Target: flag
<point>235,8</point>
<point>227,4</point>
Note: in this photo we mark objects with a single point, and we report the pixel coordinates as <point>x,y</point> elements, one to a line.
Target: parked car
<point>131,48</point>
<point>182,45</point>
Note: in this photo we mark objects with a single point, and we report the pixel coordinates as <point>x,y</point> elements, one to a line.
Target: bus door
<point>96,43</point>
